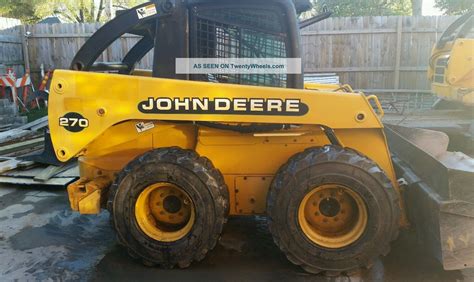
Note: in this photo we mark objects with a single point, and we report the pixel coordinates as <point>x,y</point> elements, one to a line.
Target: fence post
<point>24,44</point>
<point>396,84</point>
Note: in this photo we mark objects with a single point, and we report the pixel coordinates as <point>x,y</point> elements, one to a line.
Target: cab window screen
<point>239,33</point>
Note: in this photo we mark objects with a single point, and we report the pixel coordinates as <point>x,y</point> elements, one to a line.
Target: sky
<point>429,8</point>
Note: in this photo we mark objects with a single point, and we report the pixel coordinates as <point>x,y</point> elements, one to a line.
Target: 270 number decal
<point>73,122</point>
<point>66,122</point>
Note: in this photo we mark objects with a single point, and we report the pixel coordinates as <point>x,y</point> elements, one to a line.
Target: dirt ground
<point>42,240</point>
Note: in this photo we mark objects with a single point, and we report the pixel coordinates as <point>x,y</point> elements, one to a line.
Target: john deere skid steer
<point>172,156</point>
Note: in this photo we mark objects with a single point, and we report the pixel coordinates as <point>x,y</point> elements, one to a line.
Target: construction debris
<point>25,131</point>
<point>24,141</point>
<point>41,175</point>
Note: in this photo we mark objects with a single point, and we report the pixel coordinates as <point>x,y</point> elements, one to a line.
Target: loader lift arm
<point>126,22</point>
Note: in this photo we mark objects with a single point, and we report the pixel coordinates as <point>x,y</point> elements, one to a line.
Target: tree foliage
<point>454,7</point>
<point>75,11</point>
<point>20,9</point>
<point>72,10</point>
<point>354,8</point>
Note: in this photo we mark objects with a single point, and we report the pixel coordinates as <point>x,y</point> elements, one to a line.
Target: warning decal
<point>147,11</point>
<point>144,126</point>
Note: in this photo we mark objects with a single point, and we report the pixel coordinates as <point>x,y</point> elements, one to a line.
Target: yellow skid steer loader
<point>171,156</point>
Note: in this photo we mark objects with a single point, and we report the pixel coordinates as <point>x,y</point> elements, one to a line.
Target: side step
<point>439,195</point>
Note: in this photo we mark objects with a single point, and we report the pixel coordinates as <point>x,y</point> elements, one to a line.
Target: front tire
<point>332,210</point>
<point>168,207</point>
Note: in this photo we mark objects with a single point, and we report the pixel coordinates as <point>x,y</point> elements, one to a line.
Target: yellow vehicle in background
<point>451,69</point>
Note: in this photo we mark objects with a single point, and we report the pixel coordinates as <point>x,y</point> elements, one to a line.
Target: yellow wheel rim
<point>332,216</point>
<point>164,212</point>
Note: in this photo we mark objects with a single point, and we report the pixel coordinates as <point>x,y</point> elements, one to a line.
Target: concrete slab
<point>42,240</point>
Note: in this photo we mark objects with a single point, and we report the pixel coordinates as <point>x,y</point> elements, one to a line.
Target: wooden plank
<point>14,134</point>
<point>24,44</point>
<point>26,165</point>
<point>48,172</point>
<point>13,163</point>
<point>29,181</point>
<point>366,69</point>
<point>348,31</point>
<point>53,171</point>
<point>9,165</point>
<point>7,149</point>
<point>34,123</point>
<point>32,172</point>
<point>12,63</point>
<point>10,39</point>
<point>396,83</point>
<point>73,171</point>
<point>369,31</point>
<point>39,126</point>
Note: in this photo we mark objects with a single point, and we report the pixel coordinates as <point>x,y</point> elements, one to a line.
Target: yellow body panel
<point>248,161</point>
<point>112,99</point>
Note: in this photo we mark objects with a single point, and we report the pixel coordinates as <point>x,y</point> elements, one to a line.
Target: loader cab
<point>202,29</point>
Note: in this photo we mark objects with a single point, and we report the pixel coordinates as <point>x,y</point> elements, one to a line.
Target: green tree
<point>81,11</point>
<point>354,8</point>
<point>454,7</point>
<point>24,10</point>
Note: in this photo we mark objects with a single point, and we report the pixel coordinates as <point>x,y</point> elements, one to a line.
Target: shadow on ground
<point>246,252</point>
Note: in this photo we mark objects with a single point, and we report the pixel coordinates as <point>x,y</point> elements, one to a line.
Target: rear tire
<point>149,227</point>
<point>304,207</point>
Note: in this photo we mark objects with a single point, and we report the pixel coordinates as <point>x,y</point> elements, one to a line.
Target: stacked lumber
<point>28,140</point>
<point>322,78</point>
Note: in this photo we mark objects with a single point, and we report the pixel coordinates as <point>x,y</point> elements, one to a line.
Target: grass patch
<point>36,114</point>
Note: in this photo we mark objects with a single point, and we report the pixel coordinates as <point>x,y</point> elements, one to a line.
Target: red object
<point>9,80</point>
<point>3,86</point>
<point>45,80</point>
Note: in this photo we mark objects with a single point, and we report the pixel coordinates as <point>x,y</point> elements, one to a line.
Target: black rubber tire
<point>198,178</point>
<point>335,165</point>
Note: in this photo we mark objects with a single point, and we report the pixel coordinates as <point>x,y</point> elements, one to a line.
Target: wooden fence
<point>11,45</point>
<point>381,54</point>
<point>54,45</point>
<point>377,54</point>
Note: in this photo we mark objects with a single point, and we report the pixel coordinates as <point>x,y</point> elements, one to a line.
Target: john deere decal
<point>235,106</point>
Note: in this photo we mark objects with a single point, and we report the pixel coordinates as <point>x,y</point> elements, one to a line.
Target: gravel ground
<point>42,240</point>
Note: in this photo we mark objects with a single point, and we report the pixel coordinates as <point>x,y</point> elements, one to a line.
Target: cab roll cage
<point>167,31</point>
